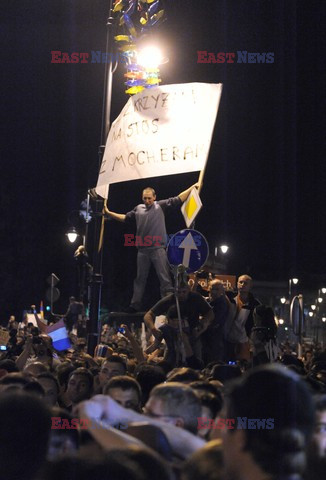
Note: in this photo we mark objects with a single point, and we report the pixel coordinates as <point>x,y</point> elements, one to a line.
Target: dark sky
<point>264,190</point>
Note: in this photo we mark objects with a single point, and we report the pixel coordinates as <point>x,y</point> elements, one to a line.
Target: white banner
<point>161,131</point>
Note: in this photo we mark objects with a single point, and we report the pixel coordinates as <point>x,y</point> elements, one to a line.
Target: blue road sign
<point>189,248</point>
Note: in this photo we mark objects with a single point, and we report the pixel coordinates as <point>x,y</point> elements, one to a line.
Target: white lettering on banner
<point>164,131</point>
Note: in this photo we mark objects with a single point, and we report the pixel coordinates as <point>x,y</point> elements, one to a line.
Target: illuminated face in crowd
<point>244,284</point>
<point>78,388</point>
<point>148,198</point>
<point>110,370</point>
<point>128,398</point>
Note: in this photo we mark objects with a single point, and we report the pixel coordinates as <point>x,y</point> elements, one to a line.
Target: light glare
<point>224,248</point>
<point>150,57</point>
<point>72,235</point>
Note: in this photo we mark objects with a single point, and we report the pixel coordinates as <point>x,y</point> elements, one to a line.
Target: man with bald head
<point>240,320</point>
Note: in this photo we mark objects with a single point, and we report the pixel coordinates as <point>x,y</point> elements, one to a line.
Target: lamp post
<point>219,261</point>
<point>80,219</point>
<point>292,281</point>
<point>97,277</point>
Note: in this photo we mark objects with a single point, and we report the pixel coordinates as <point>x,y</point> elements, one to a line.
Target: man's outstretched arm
<point>121,217</point>
<point>149,319</point>
<point>184,195</point>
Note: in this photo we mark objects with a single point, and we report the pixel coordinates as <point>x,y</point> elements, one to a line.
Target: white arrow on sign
<point>187,244</point>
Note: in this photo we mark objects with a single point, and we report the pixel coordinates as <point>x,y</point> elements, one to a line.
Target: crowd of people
<point>212,395</point>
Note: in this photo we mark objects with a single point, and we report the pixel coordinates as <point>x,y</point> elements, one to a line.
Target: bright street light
<point>72,234</point>
<point>224,248</point>
<point>295,280</point>
<point>319,299</point>
<point>283,300</point>
<point>150,57</point>
<point>313,307</point>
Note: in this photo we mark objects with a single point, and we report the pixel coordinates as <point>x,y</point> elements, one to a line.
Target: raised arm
<point>138,352</point>
<point>120,217</point>
<point>184,195</point>
<point>39,322</point>
<point>149,319</point>
<point>27,351</point>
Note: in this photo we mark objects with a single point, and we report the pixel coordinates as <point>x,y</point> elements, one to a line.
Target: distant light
<point>72,235</point>
<point>319,299</point>
<point>313,307</point>
<point>281,321</point>
<point>310,314</point>
<point>286,328</point>
<point>224,248</point>
<point>295,280</point>
<point>323,290</point>
<point>150,57</point>
<point>323,319</point>
<point>48,308</point>
<point>283,300</point>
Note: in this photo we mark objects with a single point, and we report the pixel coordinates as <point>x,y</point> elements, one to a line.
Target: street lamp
<point>293,281</point>
<point>150,57</point>
<point>283,300</point>
<point>72,234</point>
<point>220,257</point>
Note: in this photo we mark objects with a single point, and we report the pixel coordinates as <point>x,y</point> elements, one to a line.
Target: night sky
<point>264,188</point>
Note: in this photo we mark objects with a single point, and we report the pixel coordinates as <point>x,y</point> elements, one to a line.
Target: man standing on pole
<point>150,240</point>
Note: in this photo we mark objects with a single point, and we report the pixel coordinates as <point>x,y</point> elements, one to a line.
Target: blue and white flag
<point>59,335</point>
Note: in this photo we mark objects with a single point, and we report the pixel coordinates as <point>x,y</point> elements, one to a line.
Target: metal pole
<point>97,278</point>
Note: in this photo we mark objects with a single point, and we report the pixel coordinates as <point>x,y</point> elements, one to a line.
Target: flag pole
<point>201,177</point>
